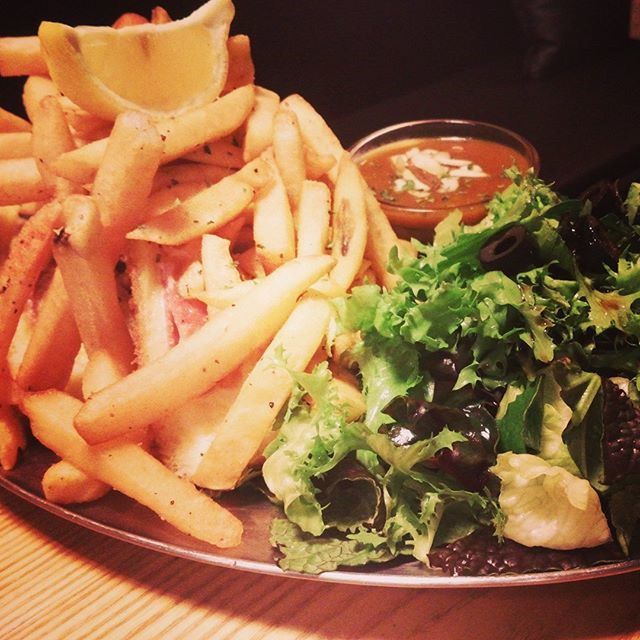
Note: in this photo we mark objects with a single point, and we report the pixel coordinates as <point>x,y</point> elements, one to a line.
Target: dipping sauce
<point>421,171</point>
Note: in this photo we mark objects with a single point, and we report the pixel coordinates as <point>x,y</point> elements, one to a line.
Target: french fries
<point>160,279</point>
<point>198,362</point>
<point>181,136</point>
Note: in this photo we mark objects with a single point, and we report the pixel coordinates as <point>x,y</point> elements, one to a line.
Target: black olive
<point>604,198</point>
<point>510,251</point>
<point>586,239</point>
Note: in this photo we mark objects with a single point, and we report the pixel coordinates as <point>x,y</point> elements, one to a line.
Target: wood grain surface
<point>59,580</point>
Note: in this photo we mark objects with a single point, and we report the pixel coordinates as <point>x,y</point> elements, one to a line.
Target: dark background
<point>561,72</point>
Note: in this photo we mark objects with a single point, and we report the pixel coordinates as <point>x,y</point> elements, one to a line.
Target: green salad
<point>500,375</point>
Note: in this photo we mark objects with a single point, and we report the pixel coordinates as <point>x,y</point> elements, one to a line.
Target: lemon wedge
<point>161,69</point>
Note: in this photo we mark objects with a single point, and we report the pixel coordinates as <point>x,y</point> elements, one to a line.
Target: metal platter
<point>117,516</point>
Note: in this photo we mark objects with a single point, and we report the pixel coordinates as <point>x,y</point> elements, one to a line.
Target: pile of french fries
<point>154,274</point>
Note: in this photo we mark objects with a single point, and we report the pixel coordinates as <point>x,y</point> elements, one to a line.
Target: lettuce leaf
<point>311,554</point>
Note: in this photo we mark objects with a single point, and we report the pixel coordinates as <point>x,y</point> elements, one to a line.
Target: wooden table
<point>59,580</point>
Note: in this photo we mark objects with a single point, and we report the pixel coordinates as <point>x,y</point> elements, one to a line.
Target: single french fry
<point>263,395</point>
<point>316,133</point>
<point>159,15</point>
<point>197,362</point>
<point>312,218</point>
<point>349,223</point>
<point>132,471</point>
<point>128,19</point>
<point>207,210</point>
<point>87,269</point>
<point>87,126</point>
<point>34,90</point>
<point>151,323</point>
<point>54,344</point>
<point>226,296</point>
<point>21,56</point>
<point>259,125</point>
<point>11,219</point>
<point>221,153</point>
<point>211,122</point>
<point>125,177</point>
<point>273,227</point>
<point>166,198</point>
<point>219,269</point>
<point>181,135</point>
<point>349,396</point>
<point>15,145</point>
<point>380,241</point>
<point>191,281</point>
<point>100,371</point>
<point>202,213</point>
<point>174,175</point>
<point>241,68</point>
<point>29,253</point>
<point>349,228</point>
<point>12,123</point>
<point>51,137</point>
<point>21,182</point>
<point>317,165</point>
<point>288,152</point>
<point>12,435</point>
<point>62,483</point>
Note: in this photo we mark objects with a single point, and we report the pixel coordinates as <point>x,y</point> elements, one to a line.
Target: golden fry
<point>62,483</point>
<point>151,324</point>
<point>317,135</point>
<point>29,253</point>
<point>263,394</point>
<point>12,434</point>
<point>87,269</point>
<point>182,438</point>
<point>54,343</point>
<point>176,174</point>
<point>288,152</point>
<point>15,145</point>
<point>349,224</point>
<point>203,212</point>
<point>380,241</point>
<point>207,210</point>
<point>218,267</point>
<point>125,176</point>
<point>312,218</point>
<point>273,228</point>
<point>21,56</point>
<point>21,182</point>
<point>259,125</point>
<point>159,15</point>
<point>34,90</point>
<point>51,138</point>
<point>11,123</point>
<point>221,153</point>
<point>241,68</point>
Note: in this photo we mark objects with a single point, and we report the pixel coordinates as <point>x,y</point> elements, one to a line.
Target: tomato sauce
<point>419,181</point>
